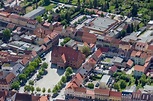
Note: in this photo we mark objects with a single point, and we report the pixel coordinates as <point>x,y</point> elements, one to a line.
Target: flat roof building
<point>101,24</point>
<point>36,12</point>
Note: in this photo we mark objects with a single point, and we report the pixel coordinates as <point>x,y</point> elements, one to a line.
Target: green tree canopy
<point>122,84</point>
<point>39,19</point>
<point>22,77</point>
<point>69,69</point>
<point>90,85</point>
<point>15,85</point>
<point>38,89</point>
<point>63,79</point>
<point>116,86</point>
<point>85,50</point>
<point>6,35</point>
<point>43,90</point>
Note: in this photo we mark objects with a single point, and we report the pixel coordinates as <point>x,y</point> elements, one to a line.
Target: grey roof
<point>101,24</point>
<point>100,37</point>
<point>35,13</point>
<point>70,43</point>
<point>105,78</point>
<point>148,88</point>
<point>118,60</point>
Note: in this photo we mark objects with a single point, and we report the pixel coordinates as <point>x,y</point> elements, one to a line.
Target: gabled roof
<point>70,53</point>
<point>139,68</point>
<point>113,68</point>
<point>130,63</point>
<point>104,92</point>
<point>80,89</point>
<point>115,94</point>
<point>63,58</point>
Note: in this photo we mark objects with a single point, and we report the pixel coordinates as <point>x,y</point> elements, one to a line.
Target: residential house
<point>146,97</point>
<point>16,69</point>
<point>113,70</point>
<point>65,56</point>
<point>32,23</point>
<point>139,57</point>
<point>14,18</point>
<point>85,36</point>
<point>99,53</point>
<point>6,78</point>
<point>140,46</point>
<point>68,32</point>
<point>119,62</point>
<point>125,50</point>
<point>139,70</point>
<point>23,21</point>
<point>136,96</point>
<point>101,94</point>
<point>129,63</point>
<point>115,96</point>
<point>4,16</point>
<point>105,81</point>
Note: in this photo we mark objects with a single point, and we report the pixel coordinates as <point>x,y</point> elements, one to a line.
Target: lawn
<point>28,9</point>
<point>97,77</point>
<point>50,7</point>
<point>107,60</point>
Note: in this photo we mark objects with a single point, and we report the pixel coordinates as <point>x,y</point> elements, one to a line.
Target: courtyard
<point>49,80</point>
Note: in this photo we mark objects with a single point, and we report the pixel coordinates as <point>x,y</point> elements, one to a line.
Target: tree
<point>46,2</point>
<point>143,80</point>
<point>34,64</point>
<point>38,89</point>
<point>31,68</point>
<point>39,19</point>
<point>95,3</point>
<point>90,85</point>
<point>85,50</point>
<point>49,90</point>
<point>27,88</point>
<point>63,79</point>
<point>67,74</point>
<point>32,89</point>
<point>134,10</point>
<point>31,82</point>
<point>6,35</point>
<point>44,65</point>
<point>69,69</point>
<point>41,72</point>
<point>78,4</point>
<point>122,84</point>
<point>15,85</point>
<point>56,87</point>
<point>43,90</point>
<point>116,86</point>
<point>50,18</point>
<point>22,77</point>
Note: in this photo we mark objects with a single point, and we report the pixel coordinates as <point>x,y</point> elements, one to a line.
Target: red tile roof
<point>133,54</point>
<point>70,53</point>
<point>115,94</point>
<point>7,79</point>
<point>14,16</point>
<point>139,68</point>
<point>104,92</point>
<point>113,68</point>
<point>130,63</point>
<point>80,89</point>
<point>5,14</point>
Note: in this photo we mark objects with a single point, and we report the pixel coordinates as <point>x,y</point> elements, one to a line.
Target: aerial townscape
<point>76,50</point>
